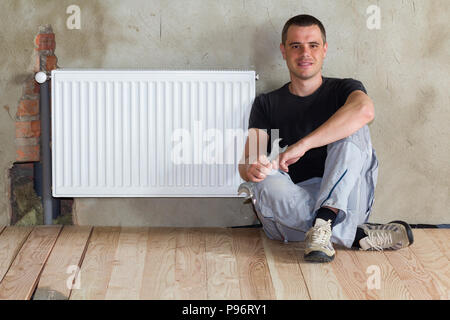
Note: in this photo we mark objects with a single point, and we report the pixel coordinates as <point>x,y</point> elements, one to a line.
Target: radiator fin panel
<point>114,133</point>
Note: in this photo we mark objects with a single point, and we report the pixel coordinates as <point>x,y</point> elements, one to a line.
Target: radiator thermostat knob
<point>40,77</point>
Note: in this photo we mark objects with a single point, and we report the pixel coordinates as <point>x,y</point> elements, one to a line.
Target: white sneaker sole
<point>318,256</point>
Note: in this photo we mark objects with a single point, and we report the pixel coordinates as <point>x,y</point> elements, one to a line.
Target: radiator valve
<point>40,77</point>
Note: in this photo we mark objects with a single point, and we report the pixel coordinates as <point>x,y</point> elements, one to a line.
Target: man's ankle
<point>326,213</point>
<point>335,210</point>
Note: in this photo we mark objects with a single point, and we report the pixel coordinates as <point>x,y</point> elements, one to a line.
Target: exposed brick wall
<point>26,203</point>
<point>28,123</point>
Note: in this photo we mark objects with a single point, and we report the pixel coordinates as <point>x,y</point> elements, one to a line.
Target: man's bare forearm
<point>255,146</point>
<point>243,171</point>
<point>347,120</point>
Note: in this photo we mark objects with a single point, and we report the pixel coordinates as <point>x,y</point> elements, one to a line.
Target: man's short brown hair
<point>303,20</point>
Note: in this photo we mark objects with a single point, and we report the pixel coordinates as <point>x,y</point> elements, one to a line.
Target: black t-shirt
<point>296,117</point>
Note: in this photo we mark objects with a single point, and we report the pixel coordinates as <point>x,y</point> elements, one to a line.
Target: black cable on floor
<point>249,226</point>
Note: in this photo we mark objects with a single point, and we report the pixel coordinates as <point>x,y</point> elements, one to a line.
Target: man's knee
<point>360,139</point>
<point>275,187</point>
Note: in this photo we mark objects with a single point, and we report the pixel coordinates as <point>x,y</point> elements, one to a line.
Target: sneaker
<point>391,236</point>
<point>318,243</point>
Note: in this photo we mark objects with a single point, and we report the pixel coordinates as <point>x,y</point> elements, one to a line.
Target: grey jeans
<point>287,210</point>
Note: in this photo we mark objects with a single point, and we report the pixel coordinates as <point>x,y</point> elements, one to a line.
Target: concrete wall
<point>404,66</point>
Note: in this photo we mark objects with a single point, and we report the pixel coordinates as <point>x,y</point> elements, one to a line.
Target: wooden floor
<point>55,262</point>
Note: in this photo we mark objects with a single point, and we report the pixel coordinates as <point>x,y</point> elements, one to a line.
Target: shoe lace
<point>321,234</point>
<point>379,240</point>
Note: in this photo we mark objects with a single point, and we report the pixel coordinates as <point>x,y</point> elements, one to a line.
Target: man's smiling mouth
<point>304,64</point>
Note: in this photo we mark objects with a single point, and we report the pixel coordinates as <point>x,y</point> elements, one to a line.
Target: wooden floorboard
<point>21,278</point>
<point>62,267</point>
<point>210,263</point>
<point>381,279</point>
<point>97,264</point>
<point>129,261</point>
<point>190,264</point>
<point>159,271</point>
<point>11,240</point>
<point>412,273</point>
<point>434,262</point>
<point>441,239</point>
<point>321,280</point>
<point>221,265</point>
<point>254,275</point>
<point>352,276</point>
<point>285,272</point>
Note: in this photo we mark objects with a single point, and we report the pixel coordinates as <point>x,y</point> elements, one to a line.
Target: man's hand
<point>292,154</point>
<point>258,170</point>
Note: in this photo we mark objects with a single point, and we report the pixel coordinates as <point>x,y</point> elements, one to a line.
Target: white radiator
<point>140,133</point>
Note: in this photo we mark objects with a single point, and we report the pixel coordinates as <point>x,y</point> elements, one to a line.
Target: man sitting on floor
<point>321,189</point>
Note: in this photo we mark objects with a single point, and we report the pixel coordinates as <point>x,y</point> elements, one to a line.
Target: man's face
<point>304,51</point>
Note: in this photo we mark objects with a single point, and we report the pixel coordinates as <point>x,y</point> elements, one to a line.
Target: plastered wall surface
<point>404,66</point>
